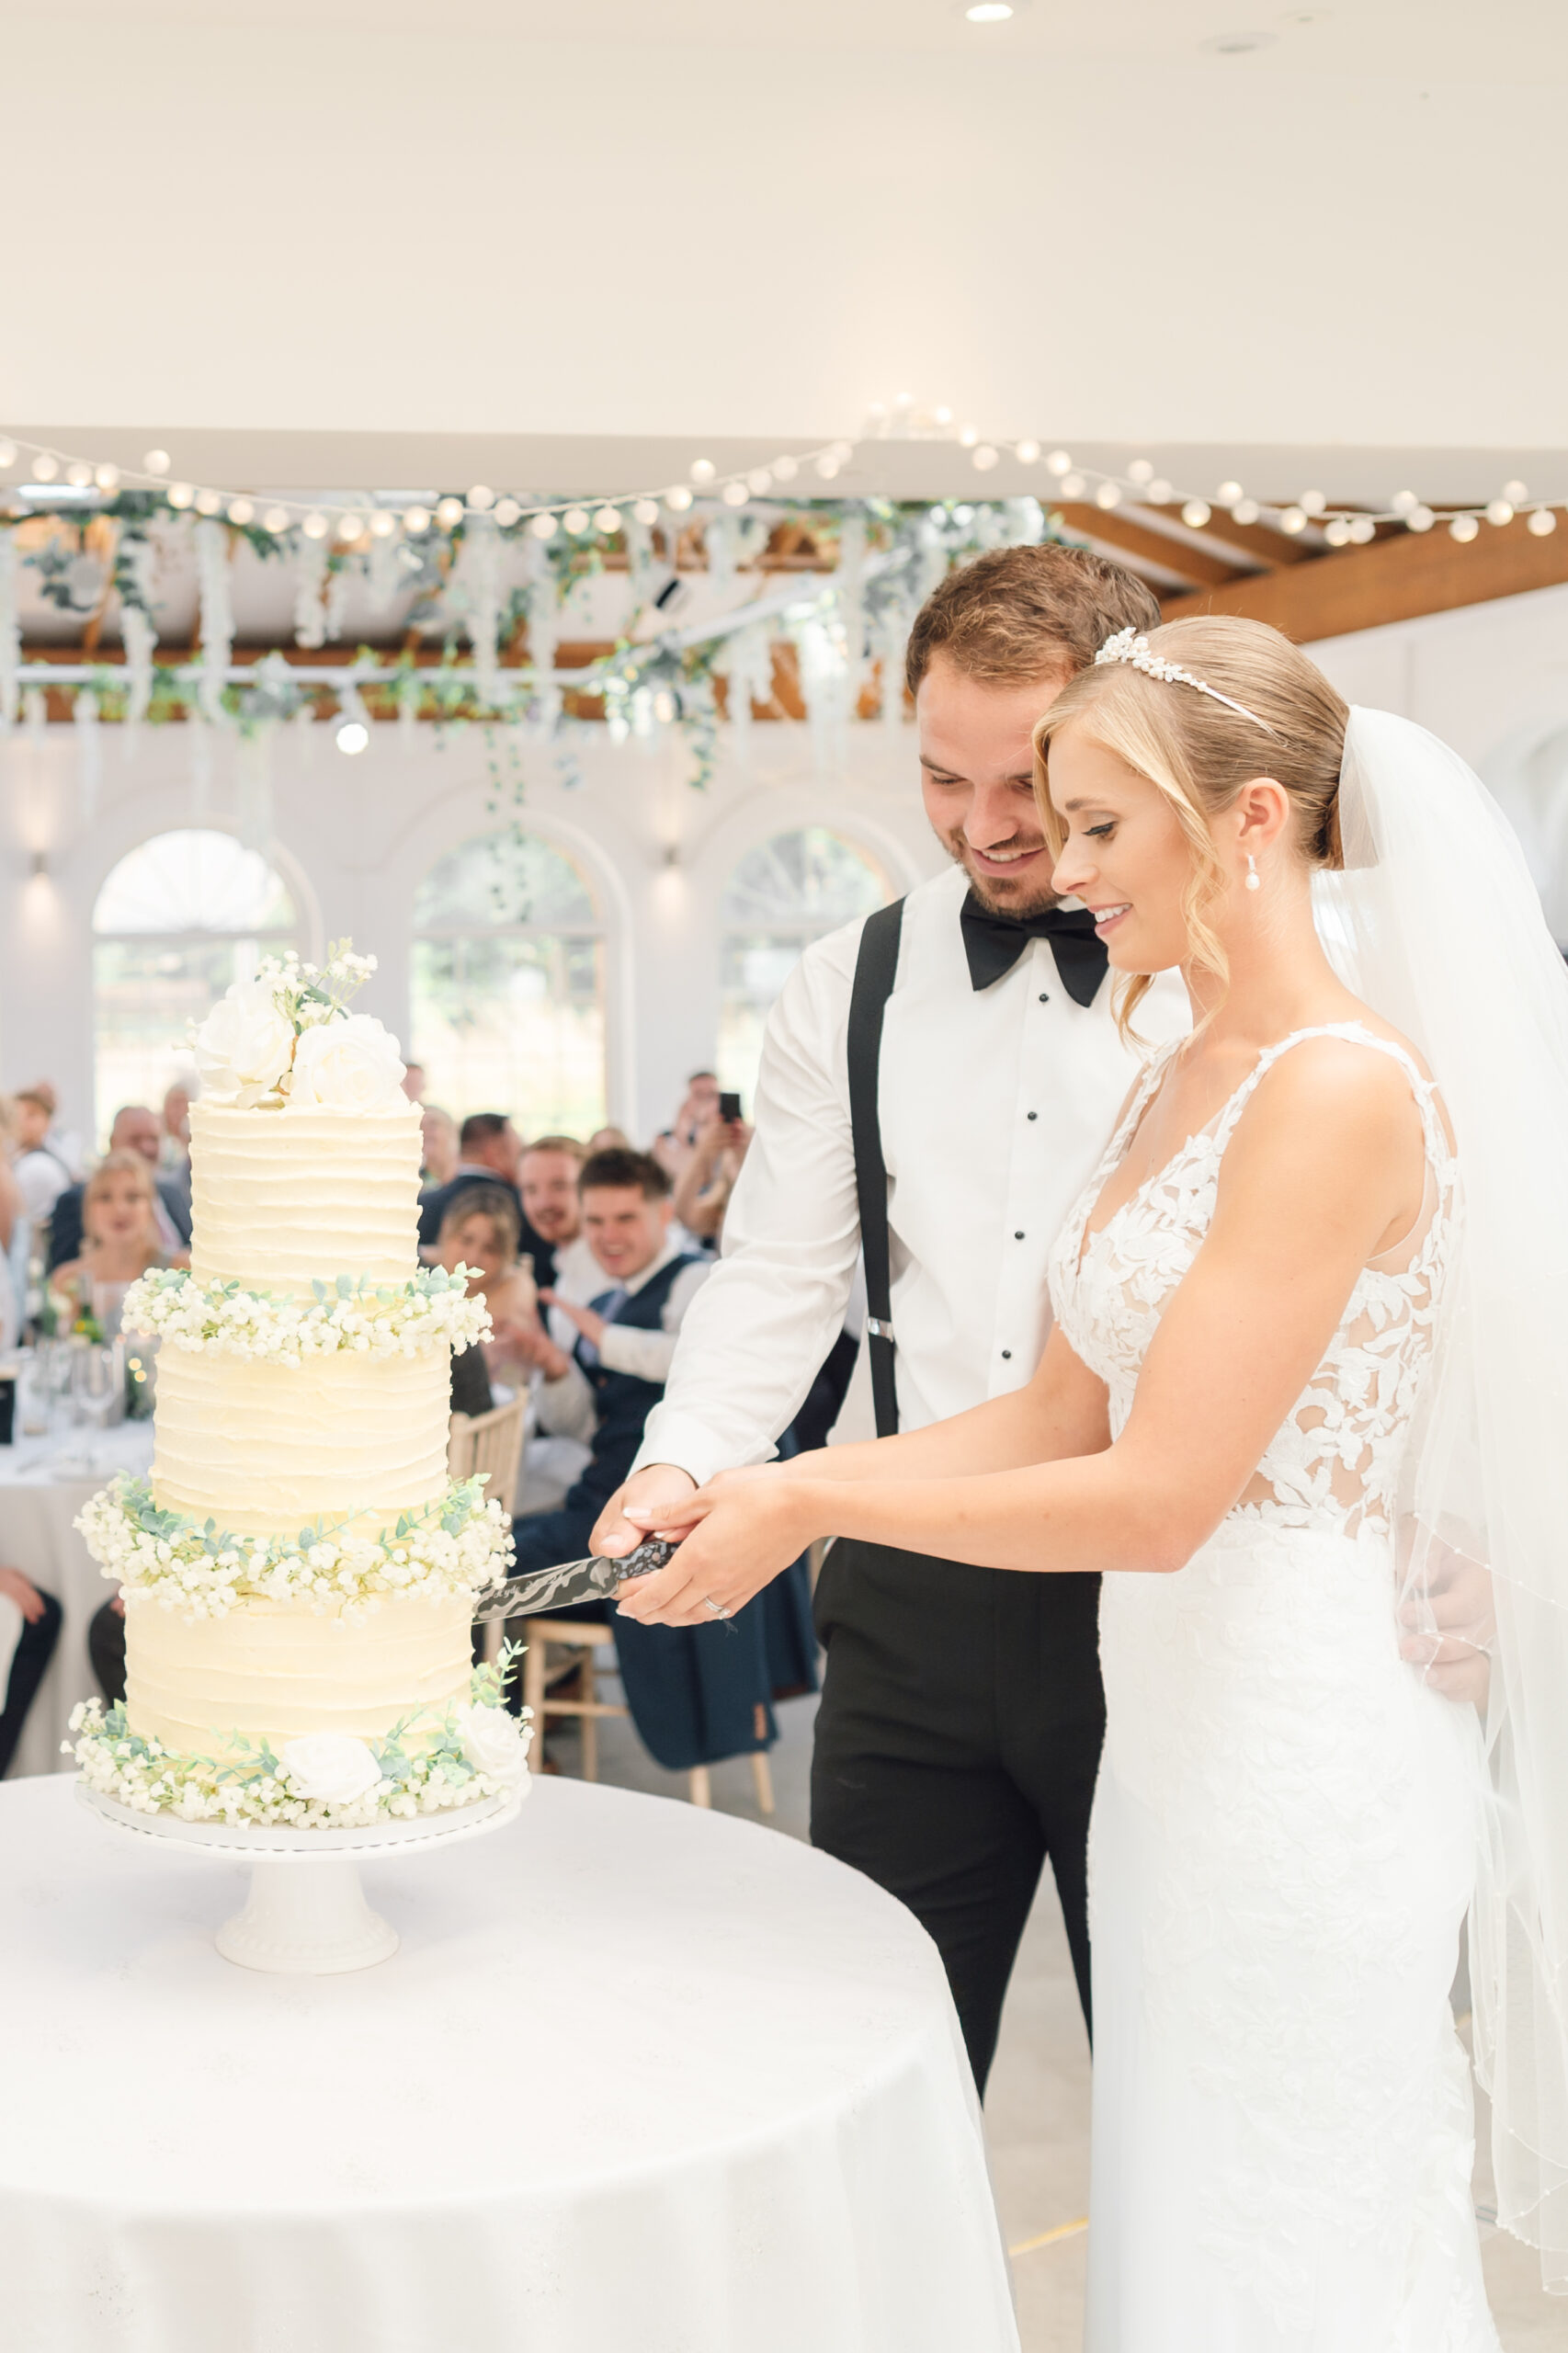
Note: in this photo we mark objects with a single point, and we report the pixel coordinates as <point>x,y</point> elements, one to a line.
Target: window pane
<point>499,882</point>
<point>146,994</point>
<point>193,882</point>
<point>784,894</point>
<point>513,1024</point>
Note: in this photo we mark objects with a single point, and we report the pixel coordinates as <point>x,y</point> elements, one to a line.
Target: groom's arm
<point>760,1329</point>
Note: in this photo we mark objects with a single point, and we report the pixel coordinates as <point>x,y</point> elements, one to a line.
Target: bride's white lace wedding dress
<point>1283,1842</point>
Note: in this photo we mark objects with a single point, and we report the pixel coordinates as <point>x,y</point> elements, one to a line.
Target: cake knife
<point>570,1581</point>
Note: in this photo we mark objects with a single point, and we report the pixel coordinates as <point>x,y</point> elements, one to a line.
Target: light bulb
<point>785,469</point>
<point>646,511</point>
<point>314,525</point>
<point>1072,485</point>
<point>1195,513</point>
<point>702,470</point>
<point>576,520</point>
<point>1159,491</point>
<point>989,12</point>
<point>664,705</point>
<point>1362,530</point>
<point>1541,523</point>
<point>507,512</point>
<point>1337,531</point>
<point>1227,493</point>
<point>844,451</point>
<point>207,502</point>
<point>543,527</point>
<point>828,466</point>
<point>7,456</point>
<point>1246,510</point>
<point>1311,502</point>
<point>45,468</point>
<point>383,525</point>
<point>963,516</point>
<point>449,513</point>
<point>1139,470</point>
<point>944,416</point>
<point>1515,493</point>
<point>352,736</point>
<point>1026,452</point>
<point>1404,502</point>
<point>1108,496</point>
<point>276,519</point>
<point>181,494</point>
<point>607,520</point>
<point>969,437</point>
<point>415,520</point>
<point>157,462</point>
<point>349,528</point>
<point>759,481</point>
<point>984,458</point>
<point>1464,527</point>
<point>107,477</point>
<point>1059,462</point>
<point>481,498</point>
<point>241,510</point>
<point>1499,511</point>
<point>78,473</point>
<point>734,493</point>
<point>1420,518</point>
<point>677,499</point>
<point>1294,519</point>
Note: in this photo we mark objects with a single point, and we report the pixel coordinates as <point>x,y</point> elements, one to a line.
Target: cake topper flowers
<point>287,1036</point>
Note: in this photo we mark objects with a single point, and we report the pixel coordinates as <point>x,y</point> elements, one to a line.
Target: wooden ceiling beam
<point>1259,541</point>
<point>1396,579</point>
<point>1174,557</point>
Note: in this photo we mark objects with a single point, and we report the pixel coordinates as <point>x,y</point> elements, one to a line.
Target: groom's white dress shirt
<point>994,1106</point>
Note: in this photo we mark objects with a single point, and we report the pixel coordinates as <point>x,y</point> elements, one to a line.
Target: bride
<point>1302,1404</point>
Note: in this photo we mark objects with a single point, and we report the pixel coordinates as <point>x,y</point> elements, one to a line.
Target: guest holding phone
<point>703,1188</point>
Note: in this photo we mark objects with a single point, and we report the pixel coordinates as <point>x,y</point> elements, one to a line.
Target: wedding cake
<point>299,1572</point>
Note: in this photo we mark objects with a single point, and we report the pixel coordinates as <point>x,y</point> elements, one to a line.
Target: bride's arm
<point>1326,1167</point>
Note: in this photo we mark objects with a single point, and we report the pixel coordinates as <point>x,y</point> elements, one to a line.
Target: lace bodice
<point>1334,1463</point>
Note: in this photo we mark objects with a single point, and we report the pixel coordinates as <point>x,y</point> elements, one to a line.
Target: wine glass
<point>97,1384</point>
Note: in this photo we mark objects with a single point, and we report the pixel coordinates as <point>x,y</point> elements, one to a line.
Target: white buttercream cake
<point>299,1571</point>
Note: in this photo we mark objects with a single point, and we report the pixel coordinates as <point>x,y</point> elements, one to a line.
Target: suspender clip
<point>879,1330</point>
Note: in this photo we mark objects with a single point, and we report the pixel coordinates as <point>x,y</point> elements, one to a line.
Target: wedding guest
<point>121,1235</point>
<point>174,1145</point>
<point>106,1647</point>
<point>439,1150</point>
<point>674,1145</point>
<point>489,1148</point>
<point>63,1140</point>
<point>479,1231</point>
<point>40,1616</point>
<point>547,1180</point>
<point>136,1129</point>
<point>703,1188</point>
<point>610,1140</point>
<point>42,1175</point>
<point>414,1082</point>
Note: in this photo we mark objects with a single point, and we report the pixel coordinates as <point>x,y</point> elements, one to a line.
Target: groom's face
<point>977,778</point>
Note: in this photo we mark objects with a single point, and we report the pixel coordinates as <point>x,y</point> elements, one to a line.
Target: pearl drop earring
<point>1255,880</point>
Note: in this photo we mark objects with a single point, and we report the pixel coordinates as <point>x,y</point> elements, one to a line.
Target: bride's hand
<point>734,1536</point>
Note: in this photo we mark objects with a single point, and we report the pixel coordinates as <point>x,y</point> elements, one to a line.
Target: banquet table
<point>42,1488</point>
<point>640,2076</point>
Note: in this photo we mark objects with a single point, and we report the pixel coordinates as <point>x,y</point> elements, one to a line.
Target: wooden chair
<point>585,1640</point>
<point>491,1444</point>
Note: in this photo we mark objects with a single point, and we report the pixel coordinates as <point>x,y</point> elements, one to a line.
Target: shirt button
<point>1043,998</point>
<point>1020,1236</point>
<point>1006,1355</point>
<point>1034,1115</point>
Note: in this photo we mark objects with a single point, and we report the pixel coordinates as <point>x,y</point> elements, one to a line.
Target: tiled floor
<point>1037,2110</point>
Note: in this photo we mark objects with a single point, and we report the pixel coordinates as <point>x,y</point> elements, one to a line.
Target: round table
<point>42,1488</point>
<point>640,2076</point>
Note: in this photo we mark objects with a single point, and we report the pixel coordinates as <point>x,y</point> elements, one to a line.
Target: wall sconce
<point>669,857</point>
<point>38,865</point>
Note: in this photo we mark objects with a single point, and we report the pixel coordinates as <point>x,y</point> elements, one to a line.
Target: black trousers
<point>29,1663</point>
<point>957,1746</point>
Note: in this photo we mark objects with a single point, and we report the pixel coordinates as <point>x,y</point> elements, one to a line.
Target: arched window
<point>782,896</point>
<point>508,985</point>
<point>176,920</point>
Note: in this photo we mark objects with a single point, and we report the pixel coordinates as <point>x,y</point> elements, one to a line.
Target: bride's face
<point>1125,854</point>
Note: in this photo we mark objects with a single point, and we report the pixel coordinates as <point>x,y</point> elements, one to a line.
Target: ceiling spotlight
<point>352,736</point>
<point>989,12</point>
<point>703,469</point>
<point>415,520</point>
<point>157,462</point>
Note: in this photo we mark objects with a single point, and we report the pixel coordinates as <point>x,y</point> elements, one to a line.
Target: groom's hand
<point>659,1485</point>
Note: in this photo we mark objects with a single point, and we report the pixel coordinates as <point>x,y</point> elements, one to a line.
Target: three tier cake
<point>299,1572</point>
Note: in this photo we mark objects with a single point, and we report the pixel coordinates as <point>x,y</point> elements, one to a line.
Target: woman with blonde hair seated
<point>120,1239</point>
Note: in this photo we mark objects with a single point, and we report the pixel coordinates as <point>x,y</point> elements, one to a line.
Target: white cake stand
<point>310,1922</point>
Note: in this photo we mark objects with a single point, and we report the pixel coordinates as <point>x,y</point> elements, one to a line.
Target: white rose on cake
<point>349,1065</point>
<point>493,1743</point>
<point>243,1047</point>
<point>329,1767</point>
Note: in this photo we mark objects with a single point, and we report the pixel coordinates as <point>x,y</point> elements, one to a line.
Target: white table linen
<point>641,2075</point>
<point>38,1507</point>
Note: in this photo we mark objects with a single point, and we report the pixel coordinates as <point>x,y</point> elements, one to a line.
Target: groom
<point>962,1712</point>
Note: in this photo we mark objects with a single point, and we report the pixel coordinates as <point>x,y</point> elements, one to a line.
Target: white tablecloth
<point>642,2079</point>
<point>36,1508</point>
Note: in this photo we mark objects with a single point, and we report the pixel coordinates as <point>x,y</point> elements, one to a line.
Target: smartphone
<point>729,1109</point>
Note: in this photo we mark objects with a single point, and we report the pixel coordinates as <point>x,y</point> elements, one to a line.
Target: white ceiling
<point>610,225</point>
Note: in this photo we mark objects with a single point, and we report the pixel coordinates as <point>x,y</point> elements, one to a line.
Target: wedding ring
<point>717,1606</point>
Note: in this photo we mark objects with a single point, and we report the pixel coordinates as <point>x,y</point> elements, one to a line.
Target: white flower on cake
<point>332,1767</point>
<point>352,1064</point>
<point>243,1047</point>
<point>494,1742</point>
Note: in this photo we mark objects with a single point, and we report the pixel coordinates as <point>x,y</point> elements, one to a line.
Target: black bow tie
<point>994,943</point>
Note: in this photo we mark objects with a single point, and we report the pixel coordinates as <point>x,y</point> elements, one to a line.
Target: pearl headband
<point>1129,647</point>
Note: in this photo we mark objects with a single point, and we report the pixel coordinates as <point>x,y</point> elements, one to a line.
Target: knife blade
<point>568,1582</point>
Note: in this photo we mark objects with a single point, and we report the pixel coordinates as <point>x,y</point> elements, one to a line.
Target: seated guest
<point>41,1617</point>
<point>610,1140</point>
<point>439,1151</point>
<point>696,1693</point>
<point>121,1237</point>
<point>414,1082</point>
<point>479,1231</point>
<point>135,1130</point>
<point>106,1647</point>
<point>173,1144</point>
<point>546,1178</point>
<point>42,1175</point>
<point>703,1186</point>
<point>489,1148</point>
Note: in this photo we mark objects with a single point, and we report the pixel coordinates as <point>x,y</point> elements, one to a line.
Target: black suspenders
<point>875,968</point>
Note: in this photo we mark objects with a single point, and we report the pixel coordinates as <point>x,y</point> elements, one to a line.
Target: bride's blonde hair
<point>1200,753</point>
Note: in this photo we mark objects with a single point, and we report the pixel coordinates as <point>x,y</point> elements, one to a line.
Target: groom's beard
<point>1023,893</point>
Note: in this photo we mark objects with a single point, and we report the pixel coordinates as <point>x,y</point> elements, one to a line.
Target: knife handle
<point>651,1555</point>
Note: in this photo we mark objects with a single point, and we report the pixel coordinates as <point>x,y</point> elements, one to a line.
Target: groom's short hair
<point>1017,613</point>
